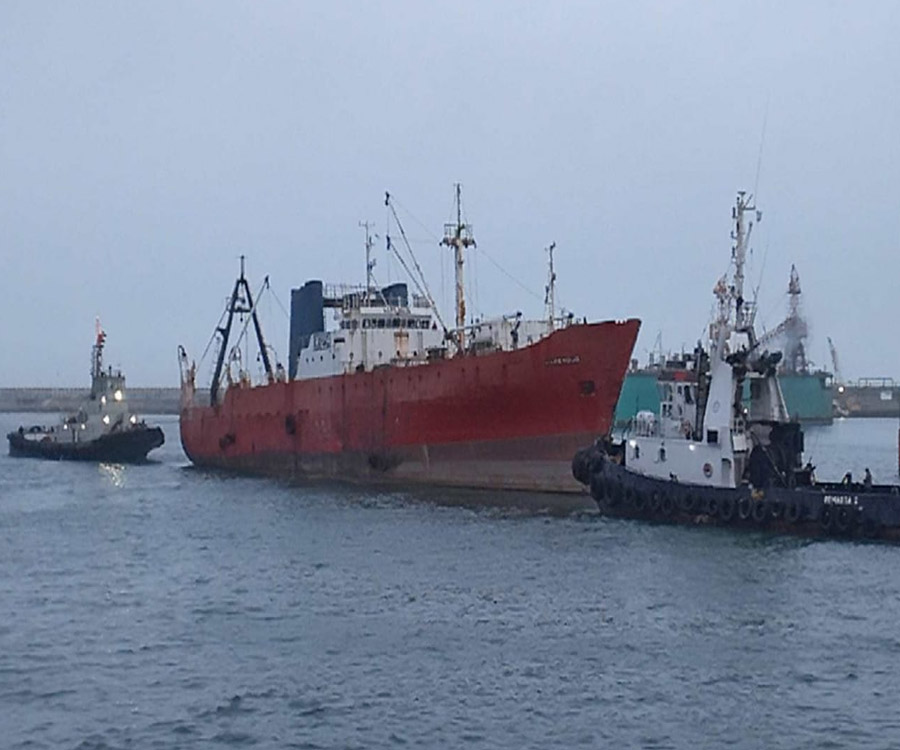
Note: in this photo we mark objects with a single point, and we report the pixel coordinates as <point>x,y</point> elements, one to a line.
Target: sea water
<point>163,606</point>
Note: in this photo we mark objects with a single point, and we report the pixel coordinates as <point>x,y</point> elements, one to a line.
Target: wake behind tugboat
<point>103,429</point>
<point>706,458</point>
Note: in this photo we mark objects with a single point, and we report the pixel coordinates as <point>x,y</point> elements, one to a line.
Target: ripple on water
<point>174,608</point>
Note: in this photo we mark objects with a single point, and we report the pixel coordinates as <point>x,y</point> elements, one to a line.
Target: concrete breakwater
<point>140,400</point>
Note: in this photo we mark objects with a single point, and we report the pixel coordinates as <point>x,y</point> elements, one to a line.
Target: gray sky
<point>145,146</point>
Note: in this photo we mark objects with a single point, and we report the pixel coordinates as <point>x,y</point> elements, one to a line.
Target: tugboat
<point>708,457</point>
<point>103,429</point>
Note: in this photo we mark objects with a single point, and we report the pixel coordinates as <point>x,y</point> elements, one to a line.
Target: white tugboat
<point>103,429</point>
<point>708,458</point>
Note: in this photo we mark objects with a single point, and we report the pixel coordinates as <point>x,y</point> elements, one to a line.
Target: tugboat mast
<point>97,360</point>
<point>459,236</point>
<point>741,237</point>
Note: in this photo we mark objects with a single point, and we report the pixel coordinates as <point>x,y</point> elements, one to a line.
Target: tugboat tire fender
<point>745,507</point>
<point>598,487</point>
<point>844,519</point>
<point>870,527</point>
<point>826,517</point>
<point>726,509</point>
<point>688,503</point>
<point>793,511</point>
<point>579,467</point>
<point>712,506</point>
<point>615,494</point>
<point>777,509</point>
<point>629,497</point>
<point>760,512</point>
<point>667,505</point>
<point>655,501</point>
<point>640,501</point>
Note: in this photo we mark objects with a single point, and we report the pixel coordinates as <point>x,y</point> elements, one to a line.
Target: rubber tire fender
<point>727,507</point>
<point>777,509</point>
<point>761,511</point>
<point>793,511</point>
<point>667,505</point>
<point>599,489</point>
<point>844,519</point>
<point>826,517</point>
<point>640,501</point>
<point>745,508</point>
<point>615,494</point>
<point>579,467</point>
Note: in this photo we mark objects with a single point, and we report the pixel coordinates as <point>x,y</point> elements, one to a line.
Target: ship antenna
<point>459,236</point>
<point>370,262</point>
<point>550,291</point>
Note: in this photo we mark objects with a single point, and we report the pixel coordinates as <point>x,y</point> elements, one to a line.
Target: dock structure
<point>142,400</point>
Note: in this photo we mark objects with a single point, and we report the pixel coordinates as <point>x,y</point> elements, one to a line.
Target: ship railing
<point>873,383</point>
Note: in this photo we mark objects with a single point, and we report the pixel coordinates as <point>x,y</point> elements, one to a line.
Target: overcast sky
<point>144,146</point>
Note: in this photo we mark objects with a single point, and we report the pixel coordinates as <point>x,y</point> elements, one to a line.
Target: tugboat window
<point>712,436</point>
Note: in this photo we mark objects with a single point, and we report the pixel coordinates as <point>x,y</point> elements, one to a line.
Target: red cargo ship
<point>391,394</point>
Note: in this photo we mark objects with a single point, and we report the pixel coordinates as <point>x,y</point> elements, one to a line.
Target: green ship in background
<point>808,392</point>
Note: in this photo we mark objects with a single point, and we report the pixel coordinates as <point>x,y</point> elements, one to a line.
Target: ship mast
<point>550,291</point>
<point>370,264</point>
<point>459,236</point>
<point>741,237</point>
<point>241,302</point>
<point>97,360</point>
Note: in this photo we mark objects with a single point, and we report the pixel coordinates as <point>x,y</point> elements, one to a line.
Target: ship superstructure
<point>704,432</point>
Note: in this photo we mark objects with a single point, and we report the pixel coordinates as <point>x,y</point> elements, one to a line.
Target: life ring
<point>793,511</point>
<point>745,507</point>
<point>760,511</point>
<point>726,509</point>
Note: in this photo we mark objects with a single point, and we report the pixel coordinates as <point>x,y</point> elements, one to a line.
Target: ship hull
<point>131,446</point>
<point>504,420</point>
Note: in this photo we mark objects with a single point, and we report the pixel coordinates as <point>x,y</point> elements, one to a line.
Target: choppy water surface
<point>160,606</point>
